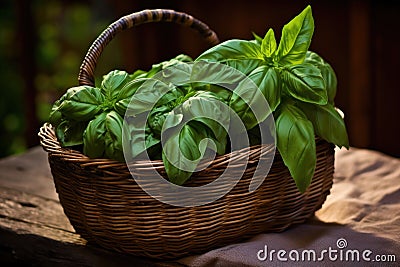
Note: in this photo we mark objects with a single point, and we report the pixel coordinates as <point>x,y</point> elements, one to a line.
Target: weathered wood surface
<point>33,228</point>
<point>28,172</point>
<point>35,231</point>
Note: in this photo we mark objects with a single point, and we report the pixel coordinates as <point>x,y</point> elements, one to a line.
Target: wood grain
<point>35,231</point>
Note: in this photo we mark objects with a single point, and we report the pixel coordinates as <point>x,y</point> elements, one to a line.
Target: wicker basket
<point>106,206</point>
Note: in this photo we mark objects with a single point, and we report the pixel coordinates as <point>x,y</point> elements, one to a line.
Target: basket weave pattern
<point>106,206</point>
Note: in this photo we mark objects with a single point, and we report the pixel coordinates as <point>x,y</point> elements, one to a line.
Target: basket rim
<point>51,144</point>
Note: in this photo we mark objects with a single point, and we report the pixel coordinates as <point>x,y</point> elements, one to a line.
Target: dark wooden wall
<point>359,38</point>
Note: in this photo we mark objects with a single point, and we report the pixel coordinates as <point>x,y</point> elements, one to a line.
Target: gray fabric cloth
<point>360,217</point>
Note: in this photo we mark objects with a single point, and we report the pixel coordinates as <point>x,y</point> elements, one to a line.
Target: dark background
<point>42,44</point>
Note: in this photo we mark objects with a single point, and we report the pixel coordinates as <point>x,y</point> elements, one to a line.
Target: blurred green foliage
<point>63,31</point>
<point>11,107</point>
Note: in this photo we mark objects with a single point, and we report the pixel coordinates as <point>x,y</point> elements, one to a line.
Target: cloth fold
<point>358,225</point>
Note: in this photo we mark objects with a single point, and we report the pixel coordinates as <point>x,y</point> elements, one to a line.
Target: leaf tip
<point>307,10</point>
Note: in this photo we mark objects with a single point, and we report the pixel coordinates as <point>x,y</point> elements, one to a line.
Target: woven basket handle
<point>86,73</point>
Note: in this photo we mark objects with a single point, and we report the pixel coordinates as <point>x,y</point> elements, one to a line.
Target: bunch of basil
<point>91,118</point>
<point>298,85</point>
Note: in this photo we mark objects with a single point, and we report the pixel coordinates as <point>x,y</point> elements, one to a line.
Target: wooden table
<point>363,208</point>
<point>33,227</point>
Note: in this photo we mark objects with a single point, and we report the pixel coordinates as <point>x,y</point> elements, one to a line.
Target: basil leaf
<point>129,88</point>
<point>183,151</point>
<point>113,136</point>
<point>165,64</point>
<point>69,133</point>
<point>327,73</point>
<point>305,83</point>
<point>247,100</point>
<point>56,117</point>
<point>268,44</point>
<point>93,137</point>
<point>122,105</point>
<point>207,108</point>
<point>330,81</point>
<point>222,93</point>
<point>157,118</point>
<point>257,39</point>
<point>314,58</point>
<point>183,58</point>
<point>216,133</point>
<point>83,105</point>
<point>141,136</point>
<point>245,65</point>
<point>242,55</point>
<point>145,98</point>
<point>175,174</point>
<point>215,73</point>
<point>125,94</point>
<point>103,137</point>
<point>269,82</point>
<point>137,75</point>
<point>112,82</point>
<point>296,39</point>
<point>296,144</point>
<point>328,123</point>
<point>232,49</point>
<point>172,120</point>
<point>179,73</point>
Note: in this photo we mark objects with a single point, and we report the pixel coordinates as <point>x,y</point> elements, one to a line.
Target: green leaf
<point>215,73</point>
<point>172,120</point>
<point>257,39</point>
<point>141,136</point>
<point>103,137</point>
<point>112,82</point>
<point>166,64</point>
<point>296,144</point>
<point>305,83</point>
<point>129,88</point>
<point>249,102</point>
<point>157,118</point>
<point>269,82</point>
<point>242,55</point>
<point>296,39</point>
<point>232,49</point>
<point>216,133</point>
<point>327,73</point>
<point>125,94</point>
<point>183,151</point>
<point>245,65</point>
<point>137,75</point>
<point>222,93</point>
<point>94,137</point>
<point>56,116</point>
<point>178,73</point>
<point>268,44</point>
<point>69,133</point>
<point>327,122</point>
<point>113,136</point>
<point>145,98</point>
<point>207,108</point>
<point>83,105</point>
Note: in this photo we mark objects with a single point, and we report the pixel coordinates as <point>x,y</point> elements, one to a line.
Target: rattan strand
<point>86,73</point>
